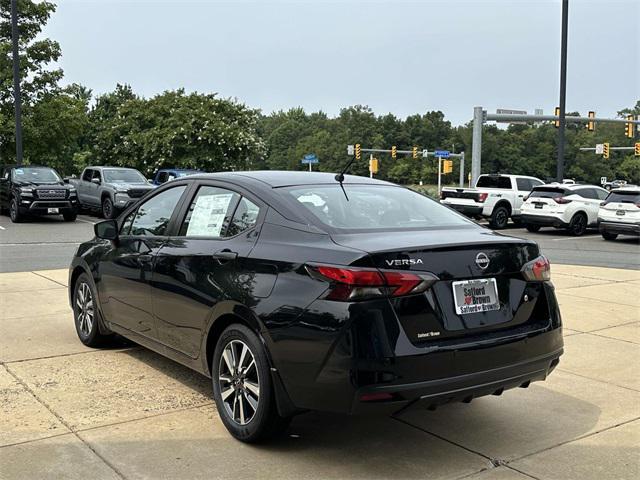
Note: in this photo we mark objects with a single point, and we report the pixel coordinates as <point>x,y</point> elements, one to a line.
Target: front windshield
<point>123,176</point>
<point>374,207</point>
<point>35,175</point>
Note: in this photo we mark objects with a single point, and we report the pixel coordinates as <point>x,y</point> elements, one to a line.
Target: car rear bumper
<point>461,388</point>
<point>543,220</point>
<point>619,227</point>
<point>469,210</point>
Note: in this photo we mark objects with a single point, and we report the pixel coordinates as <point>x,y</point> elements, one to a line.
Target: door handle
<point>225,254</point>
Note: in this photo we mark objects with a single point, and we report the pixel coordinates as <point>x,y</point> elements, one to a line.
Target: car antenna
<point>340,176</point>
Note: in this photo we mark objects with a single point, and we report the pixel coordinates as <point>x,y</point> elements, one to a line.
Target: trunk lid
<point>457,256</point>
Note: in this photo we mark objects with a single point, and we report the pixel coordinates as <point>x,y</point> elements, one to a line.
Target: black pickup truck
<point>35,190</point>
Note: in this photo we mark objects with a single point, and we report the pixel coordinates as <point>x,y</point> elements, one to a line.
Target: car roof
<point>627,188</point>
<point>567,186</point>
<point>507,175</point>
<point>279,178</point>
<point>102,167</point>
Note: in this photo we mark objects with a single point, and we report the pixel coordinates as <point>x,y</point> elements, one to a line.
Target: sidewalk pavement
<point>68,411</point>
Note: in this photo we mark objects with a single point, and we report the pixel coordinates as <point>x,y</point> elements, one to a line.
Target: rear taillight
<point>482,197</point>
<point>351,284</point>
<point>561,200</point>
<point>537,270</point>
<point>443,195</point>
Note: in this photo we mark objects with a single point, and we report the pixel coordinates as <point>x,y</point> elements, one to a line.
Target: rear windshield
<point>373,207</point>
<point>546,192</point>
<point>623,197</point>
<point>123,176</point>
<point>491,181</point>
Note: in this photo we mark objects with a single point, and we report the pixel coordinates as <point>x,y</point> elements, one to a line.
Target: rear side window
<point>623,197</point>
<point>209,213</point>
<point>152,217</point>
<point>524,184</point>
<point>86,176</point>
<point>493,181</point>
<point>244,218</point>
<point>547,192</point>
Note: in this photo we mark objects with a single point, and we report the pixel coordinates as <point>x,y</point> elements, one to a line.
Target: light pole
<point>563,90</point>
<point>16,80</point>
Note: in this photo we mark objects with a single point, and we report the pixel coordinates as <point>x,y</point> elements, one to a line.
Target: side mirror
<point>65,180</point>
<point>96,181</point>
<point>107,230</point>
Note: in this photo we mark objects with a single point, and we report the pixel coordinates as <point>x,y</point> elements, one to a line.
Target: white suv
<point>574,207</point>
<point>619,214</point>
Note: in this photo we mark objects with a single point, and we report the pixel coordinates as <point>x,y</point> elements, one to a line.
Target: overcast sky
<point>395,56</point>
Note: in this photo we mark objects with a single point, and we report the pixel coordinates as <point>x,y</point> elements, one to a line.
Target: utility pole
<point>16,80</point>
<point>476,145</point>
<point>563,90</point>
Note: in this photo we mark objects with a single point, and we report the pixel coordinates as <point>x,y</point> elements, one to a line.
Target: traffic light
<point>373,165</point>
<point>358,151</point>
<point>605,150</point>
<point>628,127</point>
<point>414,152</point>
<point>447,166</point>
<point>394,152</point>
<point>557,122</point>
<point>636,149</point>
<point>591,125</point>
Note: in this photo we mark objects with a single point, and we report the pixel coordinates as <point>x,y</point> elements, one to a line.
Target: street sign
<point>441,153</point>
<point>310,158</point>
<point>511,112</point>
<point>350,149</point>
<point>599,148</point>
<point>603,180</point>
<point>425,153</point>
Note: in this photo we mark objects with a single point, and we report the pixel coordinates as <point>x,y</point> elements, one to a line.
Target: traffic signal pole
<point>17,98</point>
<point>563,90</point>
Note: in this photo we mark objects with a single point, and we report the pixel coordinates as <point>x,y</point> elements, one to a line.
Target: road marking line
<point>85,221</point>
<point>575,238</point>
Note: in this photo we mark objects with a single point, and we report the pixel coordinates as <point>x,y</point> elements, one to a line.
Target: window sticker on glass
<point>208,215</point>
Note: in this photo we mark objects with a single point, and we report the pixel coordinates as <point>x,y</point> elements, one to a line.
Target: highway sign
<point>441,153</point>
<point>310,158</point>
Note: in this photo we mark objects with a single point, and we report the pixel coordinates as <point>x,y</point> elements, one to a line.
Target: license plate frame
<point>53,211</point>
<point>621,213</point>
<point>489,288</point>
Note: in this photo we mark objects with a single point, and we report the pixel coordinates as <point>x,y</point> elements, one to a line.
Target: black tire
<point>499,218</point>
<point>578,224</point>
<point>533,228</point>
<point>248,417</point>
<point>70,216</point>
<point>108,210</point>
<point>87,326</point>
<point>609,236</point>
<point>14,211</point>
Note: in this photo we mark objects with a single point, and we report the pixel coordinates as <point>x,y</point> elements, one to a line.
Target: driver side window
<point>152,217</point>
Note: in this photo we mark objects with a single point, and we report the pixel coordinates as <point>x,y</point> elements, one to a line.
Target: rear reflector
<point>350,284</point>
<point>537,270</point>
<point>376,397</point>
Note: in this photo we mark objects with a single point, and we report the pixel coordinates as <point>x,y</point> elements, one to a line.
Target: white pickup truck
<point>496,197</point>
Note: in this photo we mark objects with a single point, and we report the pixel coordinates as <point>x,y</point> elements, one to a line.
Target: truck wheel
<point>578,224</point>
<point>14,212</point>
<point>499,218</point>
<point>609,236</point>
<point>108,210</point>
<point>533,228</point>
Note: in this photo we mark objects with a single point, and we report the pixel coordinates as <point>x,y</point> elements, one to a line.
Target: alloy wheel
<point>239,382</point>
<point>84,309</point>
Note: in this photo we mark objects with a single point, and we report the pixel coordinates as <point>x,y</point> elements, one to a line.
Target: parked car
<point>35,190</point>
<point>573,207</point>
<point>496,197</point>
<point>619,214</point>
<point>110,189</point>
<point>615,184</point>
<point>297,292</point>
<point>167,174</point>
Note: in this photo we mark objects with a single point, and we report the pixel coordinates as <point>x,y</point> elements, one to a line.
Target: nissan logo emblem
<point>482,260</point>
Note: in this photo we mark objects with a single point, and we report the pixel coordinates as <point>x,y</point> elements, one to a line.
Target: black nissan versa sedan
<point>294,291</point>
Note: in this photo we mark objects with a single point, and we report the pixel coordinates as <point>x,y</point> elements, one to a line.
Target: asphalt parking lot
<point>68,411</point>
<point>49,242</point>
